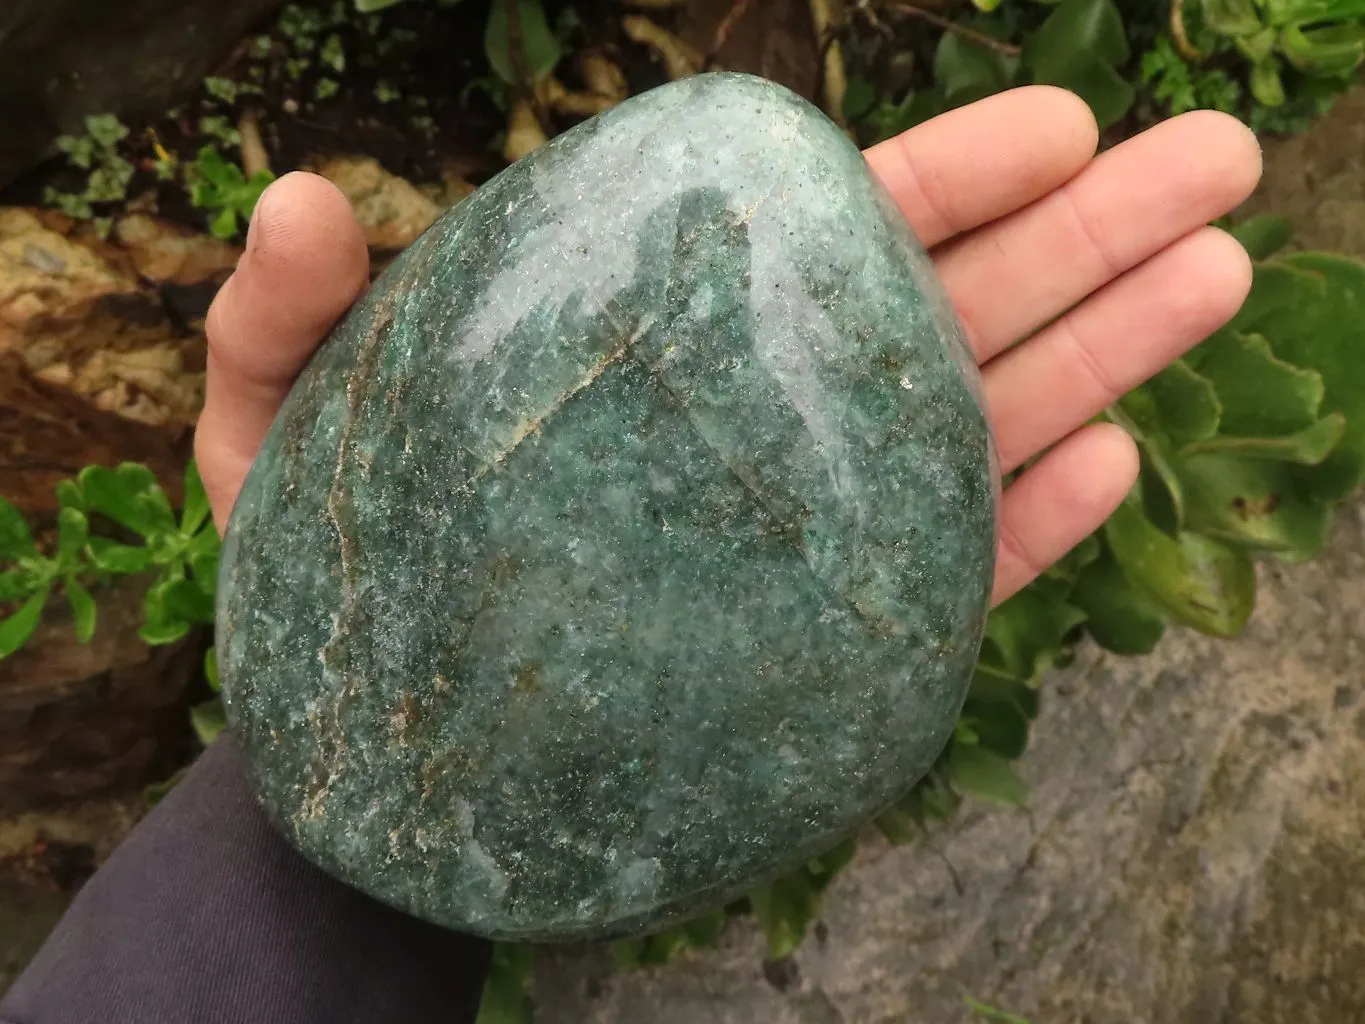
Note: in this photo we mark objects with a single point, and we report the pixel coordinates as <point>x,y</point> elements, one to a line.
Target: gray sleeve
<point>205,915</point>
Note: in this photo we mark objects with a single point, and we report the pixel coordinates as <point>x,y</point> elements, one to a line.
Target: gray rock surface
<point>1191,854</point>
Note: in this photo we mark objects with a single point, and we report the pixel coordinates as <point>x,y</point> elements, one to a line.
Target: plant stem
<point>523,87</point>
<point>738,8</point>
<point>948,25</point>
<point>1179,36</point>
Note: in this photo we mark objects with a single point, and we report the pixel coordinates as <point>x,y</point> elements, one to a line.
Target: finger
<point>304,264</point>
<point>972,165</point>
<point>1115,340</point>
<point>1008,279</point>
<point>1059,501</point>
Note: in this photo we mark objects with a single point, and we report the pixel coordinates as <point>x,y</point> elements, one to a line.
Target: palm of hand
<point>1076,277</point>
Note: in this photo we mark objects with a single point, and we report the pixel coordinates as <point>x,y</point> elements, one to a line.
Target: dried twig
<point>738,8</point>
<point>680,57</point>
<point>516,47</point>
<point>833,75</point>
<point>254,156</point>
<point>1179,36</point>
<point>948,25</point>
<point>524,132</point>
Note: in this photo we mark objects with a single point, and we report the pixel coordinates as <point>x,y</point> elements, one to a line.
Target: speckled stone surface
<point>629,542</point>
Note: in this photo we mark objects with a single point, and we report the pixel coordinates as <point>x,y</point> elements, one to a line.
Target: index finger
<point>980,162</point>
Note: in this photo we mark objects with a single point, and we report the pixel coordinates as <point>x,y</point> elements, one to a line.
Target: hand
<point>1076,277</point>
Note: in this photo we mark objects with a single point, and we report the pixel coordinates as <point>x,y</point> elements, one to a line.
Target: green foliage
<point>540,44</point>
<point>225,191</point>
<point>179,552</point>
<point>1275,63</point>
<point>1315,39</point>
<point>993,1013</point>
<point>96,152</point>
<point>507,991</point>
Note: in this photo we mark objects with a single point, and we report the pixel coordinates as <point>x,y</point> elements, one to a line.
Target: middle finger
<point>1009,278</point>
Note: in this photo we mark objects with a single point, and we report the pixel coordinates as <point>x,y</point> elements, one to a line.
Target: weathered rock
<point>391,211</point>
<point>79,721</point>
<point>61,60</point>
<point>97,365</point>
<point>629,543</point>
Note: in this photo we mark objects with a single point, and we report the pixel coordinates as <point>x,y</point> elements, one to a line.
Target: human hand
<point>1076,277</point>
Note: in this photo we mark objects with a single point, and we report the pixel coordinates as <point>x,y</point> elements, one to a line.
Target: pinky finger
<point>1059,501</point>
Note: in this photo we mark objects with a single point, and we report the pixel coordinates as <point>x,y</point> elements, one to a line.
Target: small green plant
<point>181,553</point>
<point>225,192</point>
<point>1275,63</point>
<point>96,151</point>
<point>1311,39</point>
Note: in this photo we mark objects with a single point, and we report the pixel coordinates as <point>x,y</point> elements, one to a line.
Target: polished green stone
<point>629,543</point>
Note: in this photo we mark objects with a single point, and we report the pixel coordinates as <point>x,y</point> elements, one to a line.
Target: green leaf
<point>986,776</point>
<point>105,129</point>
<point>1197,581</point>
<point>1078,26</point>
<point>1116,615</point>
<point>1266,85</point>
<point>1231,17</point>
<point>784,909</point>
<point>17,583</point>
<point>1257,504</point>
<point>211,669</point>
<point>1184,403</point>
<point>826,867</point>
<point>371,6</point>
<point>82,609</point>
<point>538,42</point>
<point>1025,633</point>
<point>1264,235</point>
<point>69,495</point>
<point>999,726</point>
<point>131,496</point>
<point>1310,306</point>
<point>1307,447</point>
<point>1326,50</point>
<point>208,719</point>
<point>507,989</point>
<point>72,530</point>
<point>224,224</point>
<point>969,71</point>
<point>860,97</point>
<point>121,559</point>
<point>15,539</point>
<point>16,630</point>
<point>1079,48</point>
<point>1159,484</point>
<point>1261,396</point>
<point>186,601</point>
<point>993,1013</point>
<point>990,686</point>
<point>196,510</point>
<point>160,625</point>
